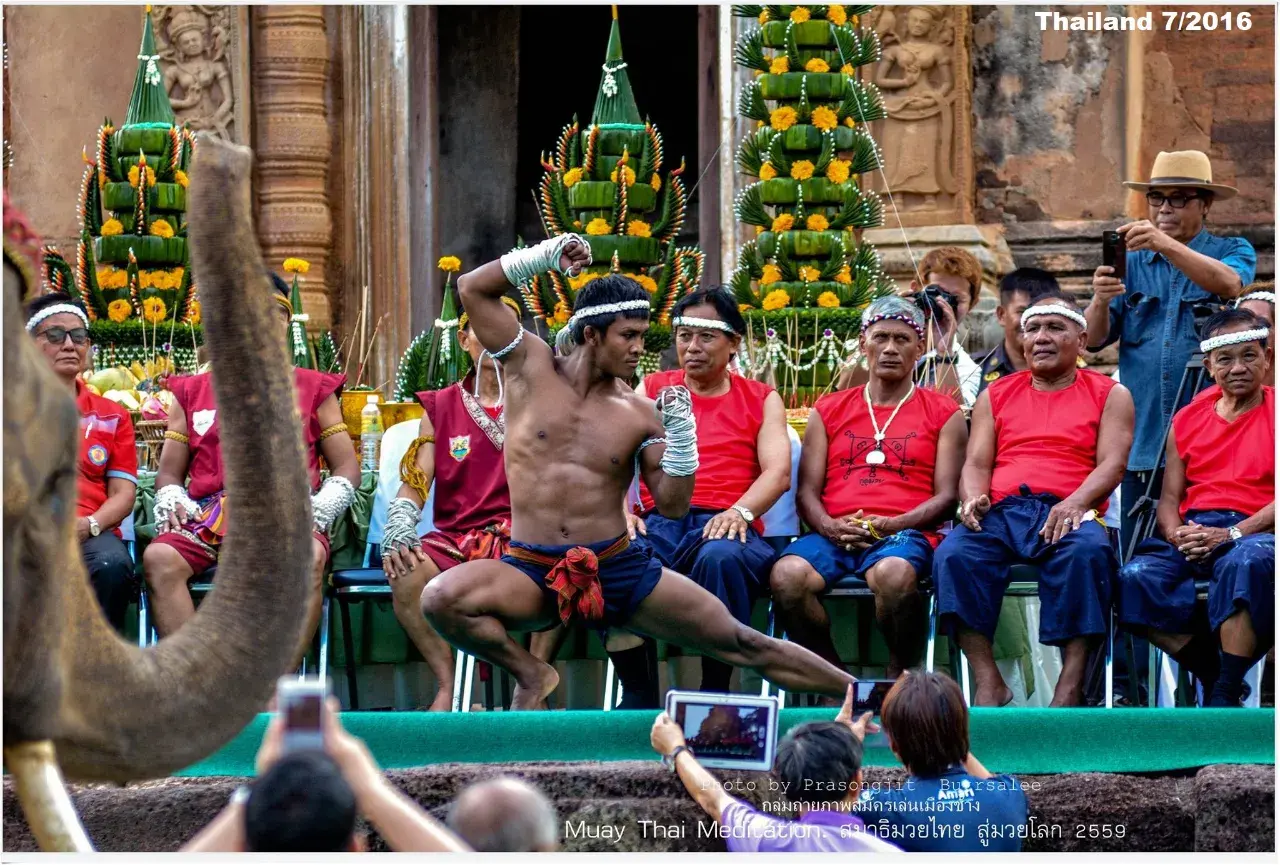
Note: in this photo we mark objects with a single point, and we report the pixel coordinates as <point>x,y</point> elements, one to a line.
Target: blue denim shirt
<point>1155,322</point>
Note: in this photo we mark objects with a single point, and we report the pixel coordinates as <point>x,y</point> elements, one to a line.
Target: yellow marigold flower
<point>816,222</point>
<point>809,274</point>
<point>764,17</point>
<point>759,229</point>
<point>846,69</point>
<point>119,310</point>
<point>776,300</point>
<point>817,64</point>
<point>627,172</point>
<point>153,310</point>
<point>779,65</point>
<point>828,299</point>
<point>180,177</point>
<point>161,228</point>
<point>836,14</point>
<point>299,265</point>
<point>838,170</point>
<point>112,227</point>
<point>767,171</point>
<point>562,312</point>
<point>133,176</point>
<point>572,176</point>
<point>649,283</point>
<point>801,170</point>
<point>824,118</point>
<point>194,315</point>
<point>145,279</point>
<point>799,14</point>
<point>783,222</point>
<point>577,223</point>
<point>598,226</point>
<point>848,121</point>
<point>772,273</point>
<point>638,228</point>
<point>577,282</point>
<point>782,118</point>
<point>743,307</point>
<point>655,182</point>
<point>845,276</point>
<point>450,264</point>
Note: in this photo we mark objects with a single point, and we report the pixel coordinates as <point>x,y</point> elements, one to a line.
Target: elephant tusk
<point>44,798</point>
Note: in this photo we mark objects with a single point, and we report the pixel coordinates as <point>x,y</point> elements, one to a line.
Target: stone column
<point>291,143</point>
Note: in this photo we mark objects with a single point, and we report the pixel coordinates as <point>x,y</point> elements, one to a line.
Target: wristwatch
<point>745,512</point>
<point>240,796</point>
<point>1235,533</point>
<point>94,528</point>
<point>670,759</point>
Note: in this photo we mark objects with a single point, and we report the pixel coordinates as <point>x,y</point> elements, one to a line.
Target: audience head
<point>1260,299</point>
<point>60,326</point>
<point>817,758</point>
<point>302,804</point>
<point>467,338</point>
<point>927,722</point>
<point>1236,350</point>
<point>892,337</point>
<point>282,294</point>
<point>1180,192</point>
<point>708,330</point>
<point>1018,290</point>
<point>616,338</point>
<point>956,272</point>
<point>505,815</point>
<point>1053,334</point>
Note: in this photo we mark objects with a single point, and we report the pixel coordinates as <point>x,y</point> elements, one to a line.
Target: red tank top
<point>195,394</point>
<point>728,433</point>
<point>905,479</point>
<point>1047,440</point>
<point>1230,466</point>
<point>471,480</point>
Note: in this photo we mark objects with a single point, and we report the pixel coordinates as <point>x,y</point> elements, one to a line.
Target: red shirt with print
<point>107,449</point>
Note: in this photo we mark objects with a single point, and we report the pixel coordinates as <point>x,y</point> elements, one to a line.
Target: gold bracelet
<point>866,524</point>
<point>175,436</point>
<point>332,431</point>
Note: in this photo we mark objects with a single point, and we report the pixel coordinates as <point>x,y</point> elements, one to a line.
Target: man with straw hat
<point>1176,275</point>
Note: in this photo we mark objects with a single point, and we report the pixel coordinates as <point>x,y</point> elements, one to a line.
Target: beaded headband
<point>56,309</point>
<point>708,323</point>
<point>1054,309</point>
<point>867,321</point>
<point>1259,335</point>
<point>605,309</point>
<point>1268,296</point>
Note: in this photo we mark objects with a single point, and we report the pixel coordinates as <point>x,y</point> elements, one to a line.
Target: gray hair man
<point>505,815</point>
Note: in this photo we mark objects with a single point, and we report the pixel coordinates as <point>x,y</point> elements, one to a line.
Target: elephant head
<point>74,691</point>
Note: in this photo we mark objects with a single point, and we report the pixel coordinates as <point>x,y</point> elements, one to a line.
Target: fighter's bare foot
<point>443,702</point>
<point>532,694</point>
<point>1067,698</point>
<point>993,698</point>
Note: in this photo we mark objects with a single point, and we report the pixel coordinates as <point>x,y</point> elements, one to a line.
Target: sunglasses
<point>58,335</point>
<point>1177,201</point>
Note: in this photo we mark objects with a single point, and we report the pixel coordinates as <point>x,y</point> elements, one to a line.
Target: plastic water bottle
<point>370,434</point>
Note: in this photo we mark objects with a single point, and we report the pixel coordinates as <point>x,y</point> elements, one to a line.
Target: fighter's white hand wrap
<point>675,410</point>
<point>401,529</point>
<point>168,498</point>
<point>522,265</point>
<point>334,496</point>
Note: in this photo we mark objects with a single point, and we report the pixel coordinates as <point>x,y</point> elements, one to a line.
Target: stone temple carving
<point>193,42</point>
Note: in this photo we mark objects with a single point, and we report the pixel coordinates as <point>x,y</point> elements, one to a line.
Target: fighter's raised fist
<point>575,256</point>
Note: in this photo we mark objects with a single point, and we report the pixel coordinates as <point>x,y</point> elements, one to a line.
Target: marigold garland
<point>450,264</point>
<point>828,300</point>
<point>801,170</point>
<point>817,64</point>
<point>809,274</point>
<point>767,171</point>
<point>782,118</point>
<point>181,177</point>
<point>816,222</point>
<point>119,310</point>
<point>296,265</point>
<point>838,170</point>
<point>133,176</point>
<point>779,65</point>
<point>161,228</point>
<point>598,226</point>
<point>637,228</point>
<point>824,118</point>
<point>783,222</point>
<point>649,283</point>
<point>655,183</point>
<point>112,227</point>
<point>572,176</point>
<point>800,14</point>
<point>776,299</point>
<point>628,172</point>
<point>153,310</point>
<point>836,14</point>
<point>846,69</point>
<point>577,282</point>
<point>771,274</point>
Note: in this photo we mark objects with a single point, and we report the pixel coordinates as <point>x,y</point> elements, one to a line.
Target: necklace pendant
<point>875,457</point>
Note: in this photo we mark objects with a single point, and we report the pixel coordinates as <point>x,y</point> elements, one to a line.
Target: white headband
<point>1236,338</point>
<point>709,323</point>
<point>1054,309</point>
<point>56,309</point>
<point>605,309</point>
<point>1268,296</point>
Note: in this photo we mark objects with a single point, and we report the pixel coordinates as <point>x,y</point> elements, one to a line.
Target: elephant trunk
<point>128,713</point>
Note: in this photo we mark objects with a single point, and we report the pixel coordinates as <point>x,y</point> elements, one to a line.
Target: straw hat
<point>1186,168</point>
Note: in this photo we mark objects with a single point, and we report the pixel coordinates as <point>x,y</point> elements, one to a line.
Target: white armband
<point>522,265</point>
<point>334,496</point>
<point>168,499</point>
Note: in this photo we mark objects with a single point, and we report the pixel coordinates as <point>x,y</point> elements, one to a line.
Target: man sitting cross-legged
<point>1047,447</point>
<point>1217,515</point>
<point>191,521</point>
<point>873,487</point>
<point>472,507</point>
<point>575,432</point>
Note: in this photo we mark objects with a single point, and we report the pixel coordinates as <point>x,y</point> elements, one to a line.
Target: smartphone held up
<point>301,703</point>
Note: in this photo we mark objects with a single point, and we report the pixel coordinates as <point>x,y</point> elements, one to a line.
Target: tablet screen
<point>724,731</point>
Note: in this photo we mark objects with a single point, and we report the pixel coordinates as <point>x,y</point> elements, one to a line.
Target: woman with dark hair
<point>948,795</point>
<point>745,467</point>
<point>108,477</point>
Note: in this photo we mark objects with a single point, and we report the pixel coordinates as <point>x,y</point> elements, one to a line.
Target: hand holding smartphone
<point>301,703</point>
<point>1114,253</point>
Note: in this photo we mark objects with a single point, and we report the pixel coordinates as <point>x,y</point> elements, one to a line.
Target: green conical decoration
<point>149,102</point>
<point>298,330</point>
<point>615,103</point>
<point>445,361</point>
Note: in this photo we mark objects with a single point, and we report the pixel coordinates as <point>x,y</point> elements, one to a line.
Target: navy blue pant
<point>734,572</point>
<point>971,571</point>
<point>111,573</point>
<point>833,562</point>
<point>1157,588</point>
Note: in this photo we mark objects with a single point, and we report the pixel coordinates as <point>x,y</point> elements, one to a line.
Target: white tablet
<point>727,731</point>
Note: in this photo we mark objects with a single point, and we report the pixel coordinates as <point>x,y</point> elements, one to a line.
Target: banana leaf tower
<point>132,267</point>
<point>434,360</point>
<point>605,183</point>
<point>804,280</point>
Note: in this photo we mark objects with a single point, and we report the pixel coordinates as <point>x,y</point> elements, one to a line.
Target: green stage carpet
<point>1025,741</point>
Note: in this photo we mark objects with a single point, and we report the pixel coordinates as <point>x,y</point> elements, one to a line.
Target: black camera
<point>931,296</point>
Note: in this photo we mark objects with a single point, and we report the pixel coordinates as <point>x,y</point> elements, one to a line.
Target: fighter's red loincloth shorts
<point>602,583</point>
<point>447,549</point>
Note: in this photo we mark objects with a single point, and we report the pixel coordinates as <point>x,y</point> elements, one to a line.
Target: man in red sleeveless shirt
<point>1047,447</point>
<point>874,488</point>
<point>744,468</point>
<point>472,506</point>
<point>191,520</point>
<point>1217,514</point>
